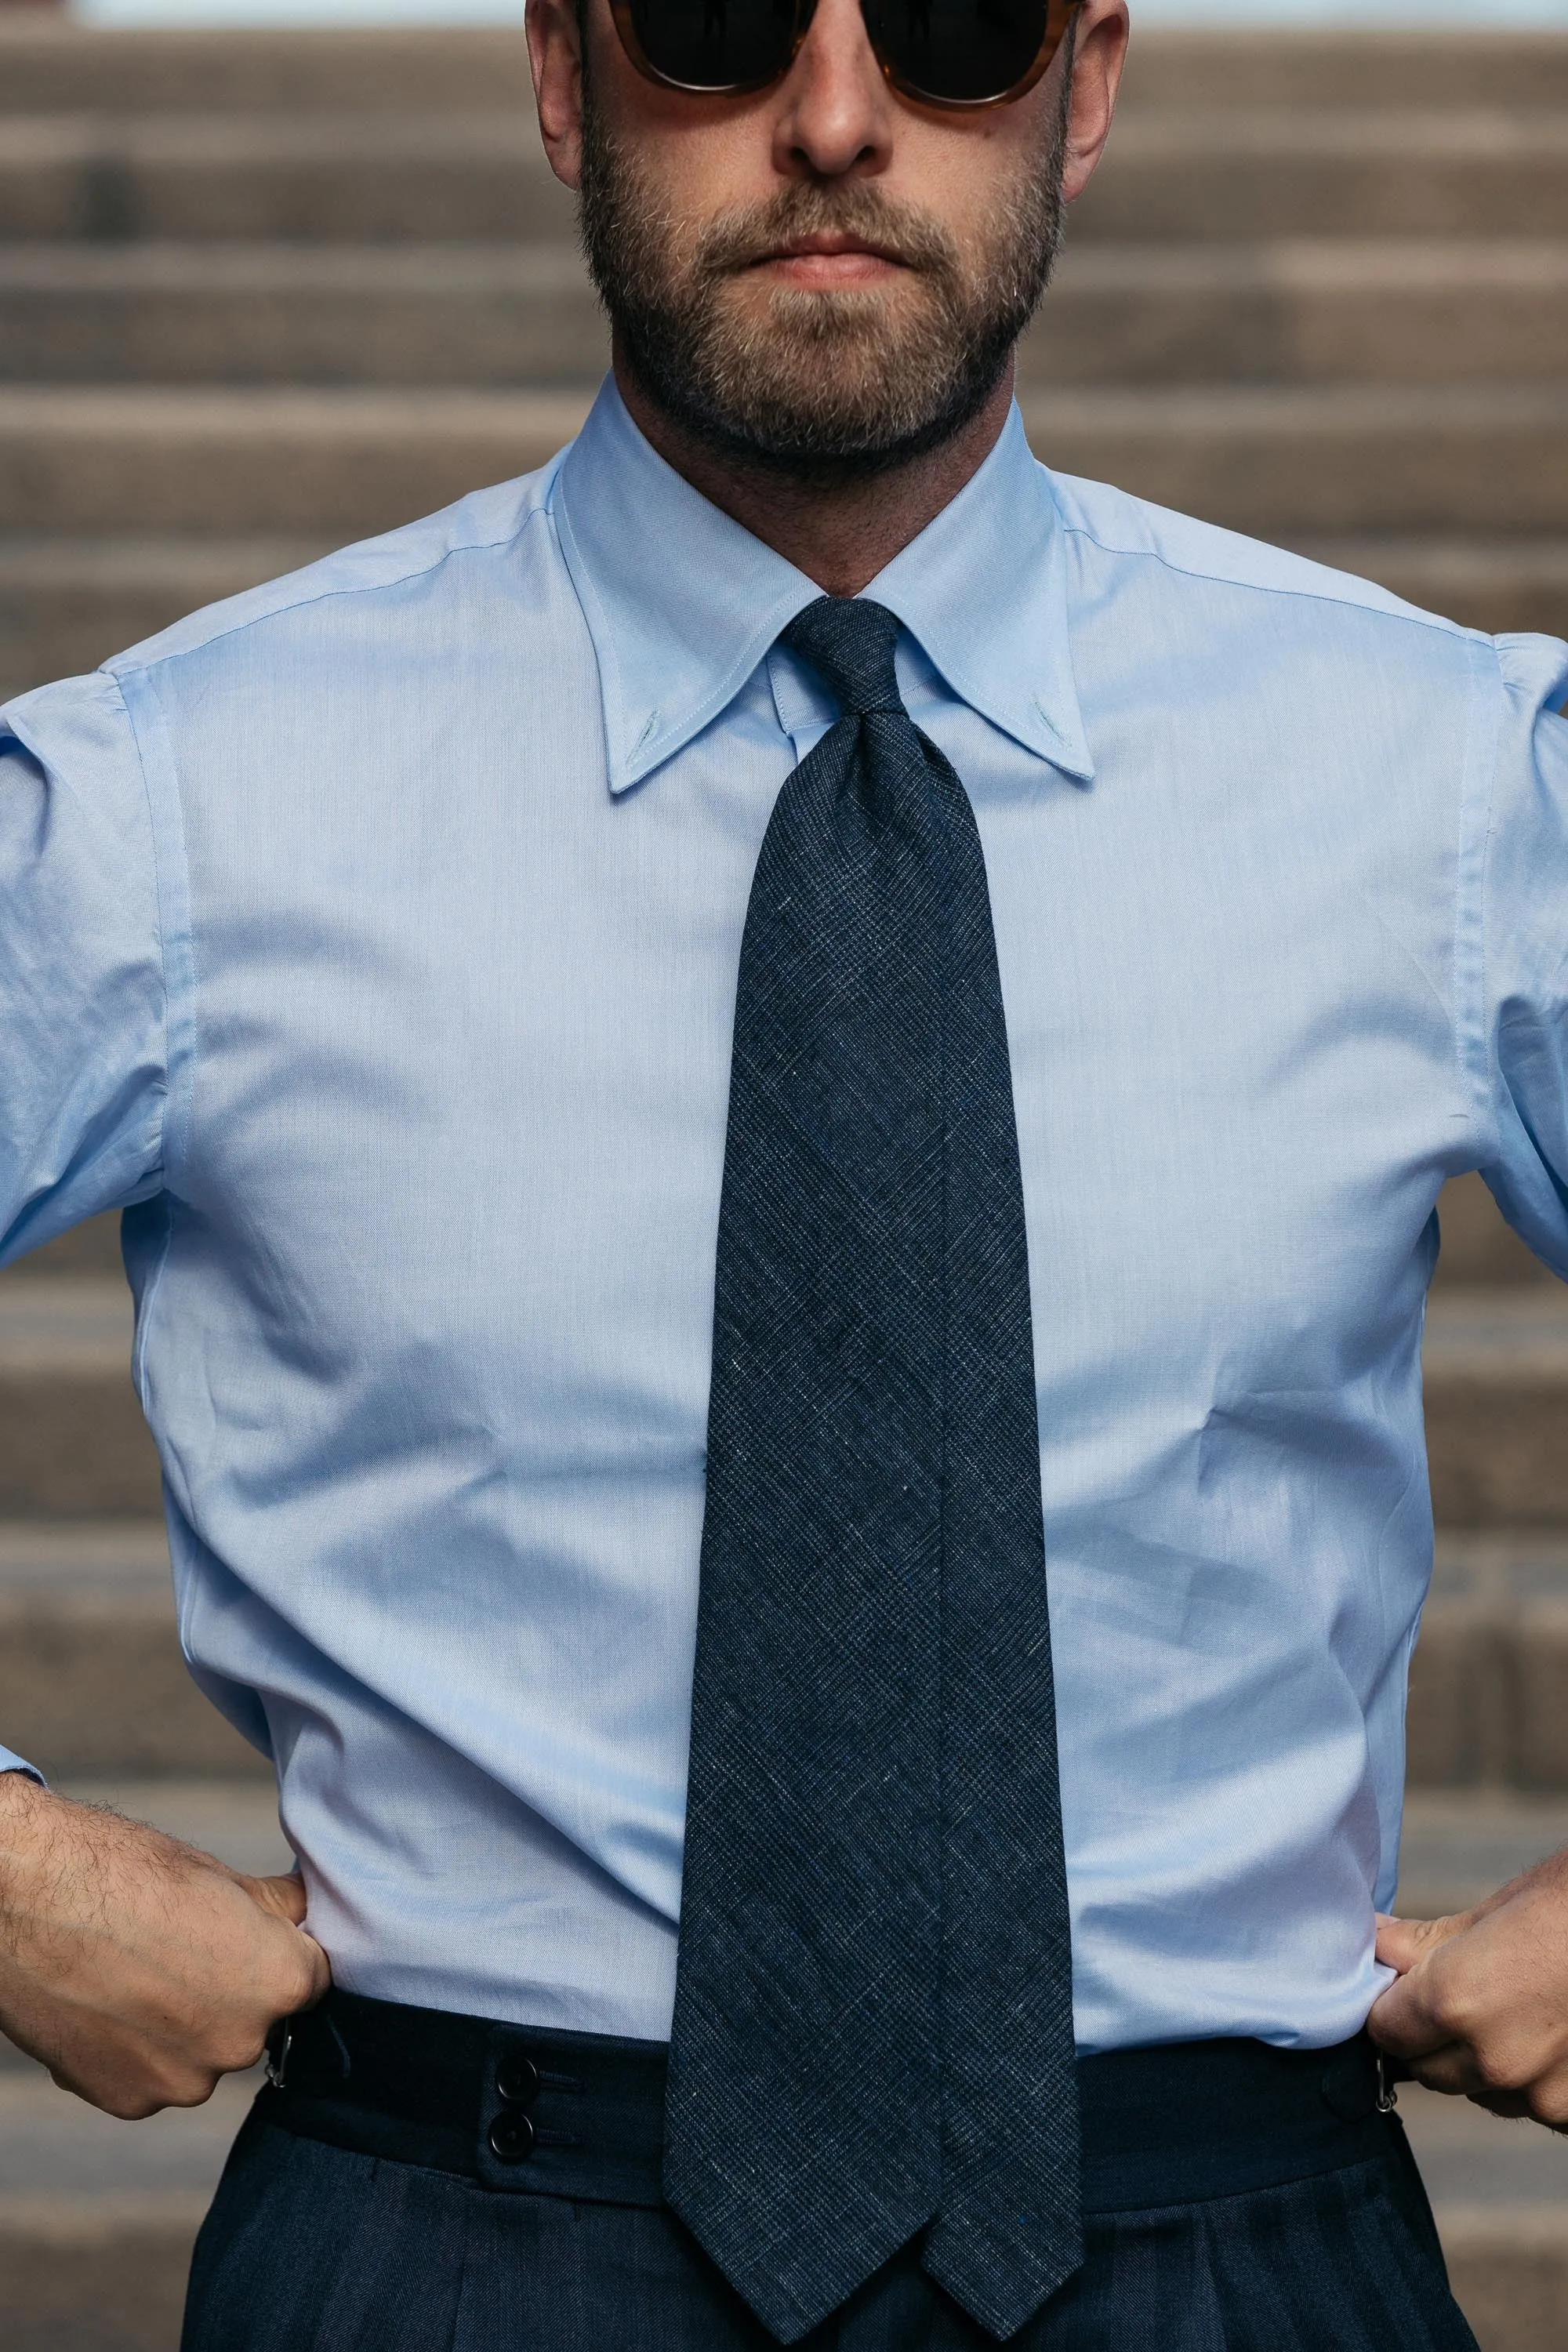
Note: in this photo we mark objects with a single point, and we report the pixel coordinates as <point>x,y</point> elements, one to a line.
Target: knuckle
<point>303,1984</point>
<point>164,2086</point>
<point>1502,2070</point>
<point>127,2103</point>
<point>193,2087</point>
<point>231,2050</point>
<point>1453,2010</point>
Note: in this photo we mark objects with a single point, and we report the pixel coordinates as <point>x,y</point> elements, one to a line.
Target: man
<point>753,1020</point>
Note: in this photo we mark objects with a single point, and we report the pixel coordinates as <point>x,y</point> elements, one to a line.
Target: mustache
<point>738,239</point>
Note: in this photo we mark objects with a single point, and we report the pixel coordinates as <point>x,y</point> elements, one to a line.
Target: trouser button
<point>512,2137</point>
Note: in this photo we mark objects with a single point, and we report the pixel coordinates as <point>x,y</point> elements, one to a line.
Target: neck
<point>840,534</point>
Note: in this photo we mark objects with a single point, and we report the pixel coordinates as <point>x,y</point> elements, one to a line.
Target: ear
<point>555,53</point>
<point>1099,52</point>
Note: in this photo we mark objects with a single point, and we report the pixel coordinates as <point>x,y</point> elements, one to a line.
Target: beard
<point>821,384</point>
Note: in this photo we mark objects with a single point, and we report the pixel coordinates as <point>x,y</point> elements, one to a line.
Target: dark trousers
<point>315,2245</point>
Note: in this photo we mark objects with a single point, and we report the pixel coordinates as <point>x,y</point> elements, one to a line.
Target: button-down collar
<point>683,602</point>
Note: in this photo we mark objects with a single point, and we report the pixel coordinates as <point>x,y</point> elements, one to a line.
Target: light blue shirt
<point>374,937</point>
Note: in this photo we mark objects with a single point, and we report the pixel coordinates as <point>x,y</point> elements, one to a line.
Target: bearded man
<point>760,1082</point>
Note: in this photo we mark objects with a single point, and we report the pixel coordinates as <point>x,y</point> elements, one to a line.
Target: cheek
<point>970,179</point>
<point>697,159</point>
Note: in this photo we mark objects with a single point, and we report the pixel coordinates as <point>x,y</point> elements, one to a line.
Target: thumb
<point>1402,1942</point>
<point>284,1896</point>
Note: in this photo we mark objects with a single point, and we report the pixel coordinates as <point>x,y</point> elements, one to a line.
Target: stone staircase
<point>260,293</point>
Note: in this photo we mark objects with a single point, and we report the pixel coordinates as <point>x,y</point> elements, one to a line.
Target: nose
<point>835,112</point>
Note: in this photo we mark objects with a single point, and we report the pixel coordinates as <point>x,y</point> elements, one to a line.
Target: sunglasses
<point>952,53</point>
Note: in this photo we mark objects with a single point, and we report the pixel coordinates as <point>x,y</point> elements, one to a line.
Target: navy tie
<point>873,2018</point>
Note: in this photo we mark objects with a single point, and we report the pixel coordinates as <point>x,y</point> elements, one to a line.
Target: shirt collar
<point>683,602</point>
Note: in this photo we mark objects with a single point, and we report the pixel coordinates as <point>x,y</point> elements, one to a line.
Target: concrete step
<point>285,314</point>
<point>1189,70</point>
<point>92,1248</point>
<point>104,2272</point>
<point>1287,462</point>
<point>331,464</point>
<point>1497,1407</point>
<point>57,66</point>
<point>1395,312</point>
<point>427,175</point>
<point>73,1442</point>
<point>1496,584</point>
<point>91,1675</point>
<point>1181,174</point>
<point>1478,1248</point>
<point>235,1820</point>
<point>430,176</point>
<point>1459,1846</point>
<point>1303,311</point>
<point>1488,1683</point>
<point>67,604</point>
<point>54,67</point>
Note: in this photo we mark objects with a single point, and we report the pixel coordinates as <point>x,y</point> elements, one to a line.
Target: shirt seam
<point>1410,614</point>
<point>122,666</point>
<point>1478,1056</point>
<point>176,957</point>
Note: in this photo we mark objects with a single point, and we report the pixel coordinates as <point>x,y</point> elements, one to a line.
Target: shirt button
<point>511,2138</point>
<point>517,2080</point>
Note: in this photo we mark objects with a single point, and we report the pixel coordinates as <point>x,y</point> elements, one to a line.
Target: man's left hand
<point>1482,2004</point>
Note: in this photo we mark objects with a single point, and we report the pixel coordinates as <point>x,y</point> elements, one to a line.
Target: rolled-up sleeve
<point>83,1080</point>
<point>1524,949</point>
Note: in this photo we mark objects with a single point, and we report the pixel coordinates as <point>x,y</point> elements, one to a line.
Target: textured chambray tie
<point>873,2017</point>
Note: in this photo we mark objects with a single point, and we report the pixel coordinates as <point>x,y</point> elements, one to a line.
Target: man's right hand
<point>137,1969</point>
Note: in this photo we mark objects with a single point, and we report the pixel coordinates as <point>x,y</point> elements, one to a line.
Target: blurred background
<point>274,273</point>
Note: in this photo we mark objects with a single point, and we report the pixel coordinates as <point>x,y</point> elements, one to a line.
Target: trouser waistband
<point>582,2115</point>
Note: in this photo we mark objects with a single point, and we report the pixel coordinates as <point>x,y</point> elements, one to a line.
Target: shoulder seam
<point>121,666</point>
<point>1408,613</point>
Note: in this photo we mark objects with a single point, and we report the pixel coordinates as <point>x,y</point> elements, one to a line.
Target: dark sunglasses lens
<point>960,49</point>
<point>715,44</point>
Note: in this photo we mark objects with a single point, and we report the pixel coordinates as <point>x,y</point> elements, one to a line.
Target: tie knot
<point>851,642</point>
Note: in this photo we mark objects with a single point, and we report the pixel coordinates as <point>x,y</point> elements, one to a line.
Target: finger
<point>1514,2104</point>
<point>284,1898</point>
<point>1460,2071</point>
<point>1546,2099</point>
<point>1454,2071</point>
<point>1402,1942</point>
<point>1403,2020</point>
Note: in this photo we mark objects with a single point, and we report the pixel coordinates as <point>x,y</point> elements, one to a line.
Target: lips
<point>827,246</point>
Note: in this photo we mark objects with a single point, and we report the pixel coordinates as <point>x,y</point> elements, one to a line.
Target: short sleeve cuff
<point>10,1763</point>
